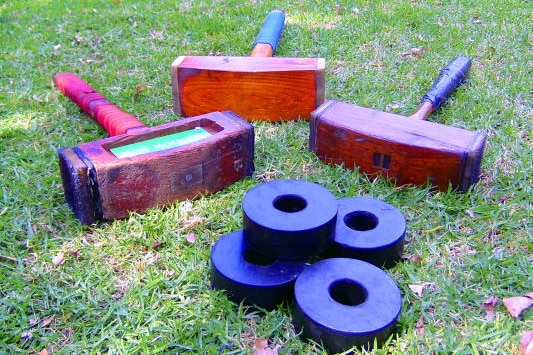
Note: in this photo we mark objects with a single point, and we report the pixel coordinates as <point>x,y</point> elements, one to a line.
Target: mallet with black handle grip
<point>408,150</point>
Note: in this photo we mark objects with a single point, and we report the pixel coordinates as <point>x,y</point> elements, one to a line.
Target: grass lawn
<point>140,285</point>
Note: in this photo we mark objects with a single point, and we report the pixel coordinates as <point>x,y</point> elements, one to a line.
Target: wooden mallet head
<point>138,168</point>
<point>408,150</point>
<point>258,88</point>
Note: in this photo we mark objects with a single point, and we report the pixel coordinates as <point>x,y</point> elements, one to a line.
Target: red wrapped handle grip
<point>113,119</point>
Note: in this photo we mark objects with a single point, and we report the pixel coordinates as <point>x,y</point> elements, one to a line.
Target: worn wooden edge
<point>313,125</point>
<point>248,127</point>
<point>320,81</point>
<point>472,162</point>
<point>249,64</point>
<point>76,185</point>
<point>175,84</point>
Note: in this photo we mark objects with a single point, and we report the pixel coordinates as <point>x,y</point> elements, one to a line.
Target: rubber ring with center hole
<point>289,219</point>
<point>370,230</point>
<point>251,278</point>
<point>345,303</point>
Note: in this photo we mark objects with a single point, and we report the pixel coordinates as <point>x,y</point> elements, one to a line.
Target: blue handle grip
<point>450,78</point>
<point>271,30</point>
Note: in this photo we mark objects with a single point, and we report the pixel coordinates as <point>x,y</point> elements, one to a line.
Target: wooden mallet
<point>408,150</point>
<point>138,168</point>
<point>258,88</point>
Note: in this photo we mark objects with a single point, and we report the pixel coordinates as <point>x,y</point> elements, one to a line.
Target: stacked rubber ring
<point>343,301</point>
<point>285,223</point>
<point>370,230</point>
<point>249,277</point>
<point>289,219</point>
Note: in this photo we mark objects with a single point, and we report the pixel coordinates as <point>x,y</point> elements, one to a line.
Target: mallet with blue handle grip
<point>259,87</point>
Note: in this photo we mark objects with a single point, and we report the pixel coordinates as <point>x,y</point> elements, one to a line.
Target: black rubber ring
<point>251,278</point>
<point>289,219</point>
<point>370,230</point>
<point>344,303</point>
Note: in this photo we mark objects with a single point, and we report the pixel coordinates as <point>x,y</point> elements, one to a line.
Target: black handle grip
<point>450,78</point>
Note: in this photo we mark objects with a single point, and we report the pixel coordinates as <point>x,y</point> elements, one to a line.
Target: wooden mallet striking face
<point>138,168</point>
<point>408,150</point>
<point>258,88</point>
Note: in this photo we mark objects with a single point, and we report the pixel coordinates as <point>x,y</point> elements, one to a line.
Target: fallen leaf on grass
<point>156,34</point>
<point>414,52</point>
<point>121,287</point>
<point>150,258</point>
<point>26,336</point>
<point>191,237</point>
<point>470,213</point>
<point>261,348</point>
<point>419,289</point>
<point>157,244</point>
<point>44,352</point>
<point>191,222</point>
<point>526,343</point>
<point>420,325</point>
<point>417,259</point>
<point>46,322</point>
<point>59,259</point>
<point>76,253</point>
<point>489,305</point>
<point>516,305</point>
<point>28,277</point>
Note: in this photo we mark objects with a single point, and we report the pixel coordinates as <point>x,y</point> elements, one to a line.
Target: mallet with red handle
<point>138,168</point>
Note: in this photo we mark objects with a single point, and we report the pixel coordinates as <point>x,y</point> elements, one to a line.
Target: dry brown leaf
<point>420,325</point>
<point>59,259</point>
<point>526,343</point>
<point>121,287</point>
<point>46,322</point>
<point>516,305</point>
<point>489,305</point>
<point>26,336</point>
<point>417,259</point>
<point>9,259</point>
<point>44,352</point>
<point>157,244</point>
<point>418,52</point>
<point>419,289</point>
<point>75,253</point>
<point>151,258</point>
<point>156,34</point>
<point>191,237</point>
<point>191,222</point>
<point>261,348</point>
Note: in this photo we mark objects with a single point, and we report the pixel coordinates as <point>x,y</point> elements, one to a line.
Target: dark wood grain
<point>403,149</point>
<point>99,185</point>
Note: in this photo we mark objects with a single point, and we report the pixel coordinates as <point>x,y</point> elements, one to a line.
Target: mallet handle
<point>268,37</point>
<point>449,79</point>
<point>113,119</point>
